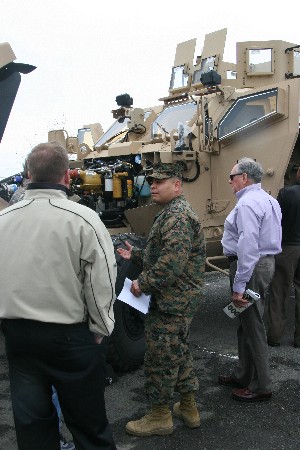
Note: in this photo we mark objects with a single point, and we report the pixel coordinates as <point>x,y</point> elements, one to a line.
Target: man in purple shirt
<point>252,236</point>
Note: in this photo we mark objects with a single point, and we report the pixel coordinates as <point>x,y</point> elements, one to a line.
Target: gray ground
<point>226,423</point>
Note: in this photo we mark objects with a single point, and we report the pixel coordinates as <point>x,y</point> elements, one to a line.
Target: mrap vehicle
<point>214,113</point>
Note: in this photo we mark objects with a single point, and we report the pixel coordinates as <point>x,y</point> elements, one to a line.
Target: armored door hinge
<point>216,206</point>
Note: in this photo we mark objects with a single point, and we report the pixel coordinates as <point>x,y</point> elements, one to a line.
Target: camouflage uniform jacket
<point>173,261</point>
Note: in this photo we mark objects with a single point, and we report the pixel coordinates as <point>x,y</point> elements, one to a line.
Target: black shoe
<point>296,345</point>
<point>273,344</point>
<point>228,381</point>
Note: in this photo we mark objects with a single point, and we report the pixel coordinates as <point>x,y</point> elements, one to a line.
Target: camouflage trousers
<point>168,361</point>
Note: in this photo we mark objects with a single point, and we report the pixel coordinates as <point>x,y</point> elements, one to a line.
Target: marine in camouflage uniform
<point>172,272</point>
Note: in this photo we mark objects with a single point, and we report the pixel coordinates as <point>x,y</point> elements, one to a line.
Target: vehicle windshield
<point>170,117</point>
<point>115,129</point>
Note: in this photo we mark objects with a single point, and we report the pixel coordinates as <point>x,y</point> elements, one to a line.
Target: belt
<point>232,258</point>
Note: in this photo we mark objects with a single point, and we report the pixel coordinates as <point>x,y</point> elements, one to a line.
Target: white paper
<point>233,311</point>
<point>140,303</point>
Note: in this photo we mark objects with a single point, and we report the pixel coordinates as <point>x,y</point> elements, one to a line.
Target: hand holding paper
<point>140,303</point>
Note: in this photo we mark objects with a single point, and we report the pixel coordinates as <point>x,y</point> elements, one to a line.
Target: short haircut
<point>179,179</point>
<point>252,168</point>
<point>47,162</point>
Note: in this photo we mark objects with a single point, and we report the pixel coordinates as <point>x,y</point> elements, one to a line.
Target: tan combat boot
<point>187,410</point>
<point>157,422</point>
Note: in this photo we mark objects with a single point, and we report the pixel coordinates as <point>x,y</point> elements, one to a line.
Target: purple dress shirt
<point>251,230</point>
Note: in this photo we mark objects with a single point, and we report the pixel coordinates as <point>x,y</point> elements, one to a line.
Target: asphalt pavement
<point>226,424</point>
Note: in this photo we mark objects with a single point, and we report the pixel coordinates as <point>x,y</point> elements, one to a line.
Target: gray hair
<point>47,162</point>
<point>252,168</point>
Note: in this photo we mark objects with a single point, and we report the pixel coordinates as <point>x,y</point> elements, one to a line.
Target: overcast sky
<point>87,53</point>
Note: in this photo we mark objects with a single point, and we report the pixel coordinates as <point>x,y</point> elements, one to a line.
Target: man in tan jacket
<point>57,310</point>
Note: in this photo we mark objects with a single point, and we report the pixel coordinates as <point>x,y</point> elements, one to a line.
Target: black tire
<point>126,345</point>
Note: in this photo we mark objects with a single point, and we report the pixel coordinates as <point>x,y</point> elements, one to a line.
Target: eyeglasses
<point>232,175</point>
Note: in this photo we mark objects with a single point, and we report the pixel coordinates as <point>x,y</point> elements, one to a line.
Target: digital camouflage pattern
<point>173,271</point>
<point>174,260</point>
<point>168,363</point>
<point>165,170</point>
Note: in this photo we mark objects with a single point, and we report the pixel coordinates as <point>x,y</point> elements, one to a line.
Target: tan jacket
<point>57,262</point>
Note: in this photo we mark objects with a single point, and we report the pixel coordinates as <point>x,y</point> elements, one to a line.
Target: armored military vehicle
<point>10,80</point>
<point>214,113</point>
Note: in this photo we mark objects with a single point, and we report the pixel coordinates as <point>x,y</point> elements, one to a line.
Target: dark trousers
<point>253,369</point>
<point>44,354</point>
<point>287,272</point>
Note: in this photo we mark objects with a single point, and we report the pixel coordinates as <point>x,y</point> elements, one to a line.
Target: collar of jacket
<point>58,187</point>
<point>167,205</point>
<point>251,187</point>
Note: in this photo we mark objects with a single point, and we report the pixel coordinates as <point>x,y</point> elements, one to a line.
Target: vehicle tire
<point>126,345</point>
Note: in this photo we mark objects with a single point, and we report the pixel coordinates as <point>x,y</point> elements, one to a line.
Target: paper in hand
<point>140,303</point>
